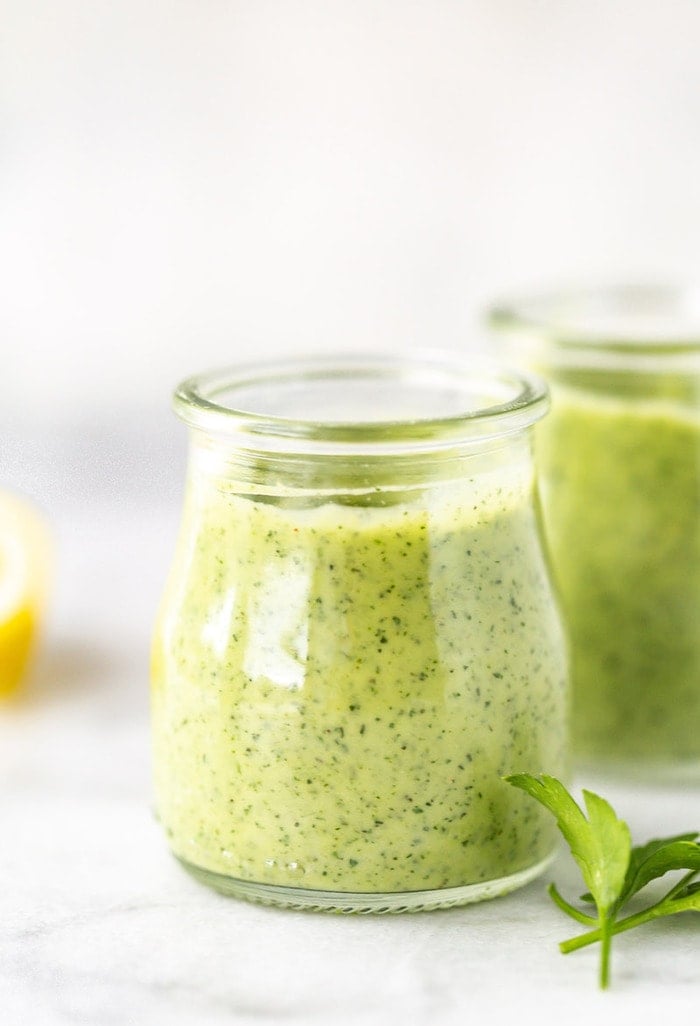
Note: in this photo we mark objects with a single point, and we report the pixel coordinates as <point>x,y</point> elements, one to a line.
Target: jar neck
<point>623,329</point>
<point>217,459</point>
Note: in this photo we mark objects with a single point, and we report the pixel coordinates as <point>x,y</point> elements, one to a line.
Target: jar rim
<point>641,323</point>
<point>497,401</point>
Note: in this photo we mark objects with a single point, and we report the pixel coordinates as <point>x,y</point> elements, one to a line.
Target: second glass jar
<point>620,469</point>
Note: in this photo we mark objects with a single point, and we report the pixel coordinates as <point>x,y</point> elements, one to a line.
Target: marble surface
<point>99,925</point>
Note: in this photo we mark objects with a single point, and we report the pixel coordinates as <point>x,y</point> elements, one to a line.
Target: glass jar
<point>359,638</point>
<point>620,466</point>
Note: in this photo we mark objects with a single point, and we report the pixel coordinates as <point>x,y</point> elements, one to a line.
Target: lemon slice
<point>24,564</point>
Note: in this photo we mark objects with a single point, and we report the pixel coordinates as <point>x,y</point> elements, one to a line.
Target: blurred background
<point>192,182</point>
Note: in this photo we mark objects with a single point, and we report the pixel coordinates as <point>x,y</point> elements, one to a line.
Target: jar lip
<point>624,320</point>
<point>519,399</point>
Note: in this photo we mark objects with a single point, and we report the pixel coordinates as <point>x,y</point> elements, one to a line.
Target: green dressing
<point>621,490</point>
<point>338,690</point>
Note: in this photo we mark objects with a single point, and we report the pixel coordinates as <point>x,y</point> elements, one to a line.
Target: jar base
<point>379,903</point>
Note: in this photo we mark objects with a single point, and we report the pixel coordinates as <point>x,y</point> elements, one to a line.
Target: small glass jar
<point>359,637</point>
<point>620,466</point>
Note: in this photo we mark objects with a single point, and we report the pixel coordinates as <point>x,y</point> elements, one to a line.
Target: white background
<point>185,183</point>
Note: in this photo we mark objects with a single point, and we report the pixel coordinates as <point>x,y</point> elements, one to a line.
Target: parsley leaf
<point>612,869</point>
<point>657,858</point>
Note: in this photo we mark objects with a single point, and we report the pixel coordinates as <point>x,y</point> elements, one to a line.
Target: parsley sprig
<point>613,870</point>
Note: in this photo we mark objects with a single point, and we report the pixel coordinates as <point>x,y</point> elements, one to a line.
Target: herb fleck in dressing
<point>339,690</point>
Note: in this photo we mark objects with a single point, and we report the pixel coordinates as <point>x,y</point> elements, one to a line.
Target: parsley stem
<point>564,905</point>
<point>606,924</point>
<point>584,939</point>
<point>682,884</point>
<point>629,923</point>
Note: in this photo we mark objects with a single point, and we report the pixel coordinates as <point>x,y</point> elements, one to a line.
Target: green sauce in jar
<point>622,503</point>
<point>340,682</point>
<point>620,474</point>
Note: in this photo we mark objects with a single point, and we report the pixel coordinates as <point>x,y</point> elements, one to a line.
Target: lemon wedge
<point>24,566</point>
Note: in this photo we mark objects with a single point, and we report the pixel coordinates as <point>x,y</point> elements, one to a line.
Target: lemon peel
<point>25,552</point>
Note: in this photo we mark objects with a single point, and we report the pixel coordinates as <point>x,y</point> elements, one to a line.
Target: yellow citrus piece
<point>24,566</point>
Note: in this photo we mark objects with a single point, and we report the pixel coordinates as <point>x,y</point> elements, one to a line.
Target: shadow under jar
<point>619,458</point>
<point>359,637</point>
